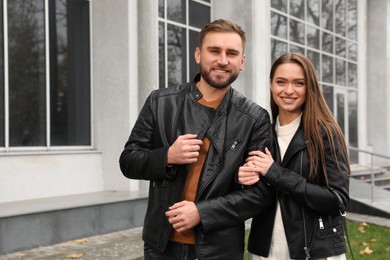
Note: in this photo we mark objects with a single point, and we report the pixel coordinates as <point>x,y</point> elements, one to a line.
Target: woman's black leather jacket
<point>310,210</point>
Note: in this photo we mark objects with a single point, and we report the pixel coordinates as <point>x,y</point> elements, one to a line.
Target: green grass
<point>376,238</point>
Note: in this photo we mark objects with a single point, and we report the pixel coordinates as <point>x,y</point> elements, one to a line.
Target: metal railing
<point>371,161</point>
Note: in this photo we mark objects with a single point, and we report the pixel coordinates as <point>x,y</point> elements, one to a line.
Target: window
<point>45,94</point>
<point>326,32</point>
<point>179,24</point>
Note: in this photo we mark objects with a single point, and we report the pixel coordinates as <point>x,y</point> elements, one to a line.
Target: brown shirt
<point>191,185</point>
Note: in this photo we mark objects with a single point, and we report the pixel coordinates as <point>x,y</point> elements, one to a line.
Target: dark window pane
<point>352,75</point>
<point>328,95</point>
<point>297,8</point>
<point>353,118</point>
<point>314,57</point>
<point>327,15</point>
<point>27,75</point>
<point>340,47</point>
<point>352,20</point>
<point>327,42</point>
<point>297,49</point>
<point>70,106</point>
<point>161,54</point>
<point>340,111</point>
<point>194,42</point>
<point>352,51</point>
<point>297,32</point>
<point>313,37</point>
<point>340,17</point>
<point>176,10</point>
<point>2,118</point>
<point>199,14</point>
<point>341,74</point>
<point>277,49</point>
<point>313,12</point>
<point>176,55</point>
<point>278,25</point>
<point>281,5</point>
<point>327,69</point>
<point>161,8</point>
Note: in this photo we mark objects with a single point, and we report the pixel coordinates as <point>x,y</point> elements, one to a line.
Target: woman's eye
<point>300,83</point>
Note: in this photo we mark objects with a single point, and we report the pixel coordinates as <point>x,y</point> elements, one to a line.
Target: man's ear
<point>197,55</point>
<point>242,62</point>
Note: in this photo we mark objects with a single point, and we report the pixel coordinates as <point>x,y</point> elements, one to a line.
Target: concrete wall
<point>113,74</point>
<point>378,52</point>
<point>34,176</point>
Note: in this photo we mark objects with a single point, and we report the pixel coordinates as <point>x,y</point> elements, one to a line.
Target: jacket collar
<point>196,95</point>
<point>298,142</point>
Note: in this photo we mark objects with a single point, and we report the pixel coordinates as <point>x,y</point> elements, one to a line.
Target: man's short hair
<point>222,25</point>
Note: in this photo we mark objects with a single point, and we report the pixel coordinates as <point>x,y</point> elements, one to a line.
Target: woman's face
<point>288,87</point>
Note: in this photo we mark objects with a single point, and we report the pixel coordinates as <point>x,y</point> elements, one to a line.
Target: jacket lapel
<point>297,143</point>
<point>216,133</point>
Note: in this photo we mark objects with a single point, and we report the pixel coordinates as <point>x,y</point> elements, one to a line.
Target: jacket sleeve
<point>139,159</point>
<point>245,202</point>
<point>319,198</point>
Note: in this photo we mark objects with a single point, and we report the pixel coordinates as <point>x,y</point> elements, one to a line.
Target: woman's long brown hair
<point>316,116</point>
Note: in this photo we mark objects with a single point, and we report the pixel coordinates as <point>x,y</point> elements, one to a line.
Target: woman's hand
<point>260,161</point>
<point>247,174</point>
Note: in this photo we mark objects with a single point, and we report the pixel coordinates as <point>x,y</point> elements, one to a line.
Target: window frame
<point>166,22</point>
<point>334,56</point>
<point>48,147</point>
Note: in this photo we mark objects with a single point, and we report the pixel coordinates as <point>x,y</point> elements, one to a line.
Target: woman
<point>310,174</point>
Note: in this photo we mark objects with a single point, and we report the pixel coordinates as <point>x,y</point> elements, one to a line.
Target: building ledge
<point>34,206</point>
<point>48,221</point>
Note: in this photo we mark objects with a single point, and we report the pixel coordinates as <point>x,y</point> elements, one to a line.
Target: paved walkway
<point>122,245</point>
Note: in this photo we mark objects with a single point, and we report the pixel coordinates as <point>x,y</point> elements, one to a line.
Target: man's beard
<point>217,83</point>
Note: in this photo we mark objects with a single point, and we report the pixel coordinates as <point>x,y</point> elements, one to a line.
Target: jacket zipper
<point>233,145</point>
<point>321,223</point>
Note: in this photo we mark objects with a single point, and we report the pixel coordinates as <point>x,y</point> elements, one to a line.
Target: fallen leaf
<point>388,248</point>
<point>373,240</point>
<point>361,229</point>
<point>75,256</point>
<point>80,241</point>
<point>366,251</point>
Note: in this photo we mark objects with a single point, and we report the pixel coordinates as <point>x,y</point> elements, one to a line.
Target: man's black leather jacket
<point>236,127</point>
<point>310,210</point>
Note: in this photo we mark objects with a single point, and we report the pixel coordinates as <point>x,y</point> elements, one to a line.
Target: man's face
<point>221,57</point>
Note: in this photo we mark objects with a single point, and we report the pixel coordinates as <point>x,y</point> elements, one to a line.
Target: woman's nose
<point>289,88</point>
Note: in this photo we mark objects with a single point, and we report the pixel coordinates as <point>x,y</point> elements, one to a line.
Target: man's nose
<point>223,59</point>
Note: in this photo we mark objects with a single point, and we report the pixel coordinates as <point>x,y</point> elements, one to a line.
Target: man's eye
<point>232,54</point>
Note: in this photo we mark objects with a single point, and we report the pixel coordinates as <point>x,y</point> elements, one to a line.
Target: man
<point>189,141</point>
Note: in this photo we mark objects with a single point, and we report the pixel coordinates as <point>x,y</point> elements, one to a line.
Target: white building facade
<point>76,73</point>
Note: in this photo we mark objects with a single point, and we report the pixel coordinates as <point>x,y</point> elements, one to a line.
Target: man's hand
<point>183,215</point>
<point>184,150</point>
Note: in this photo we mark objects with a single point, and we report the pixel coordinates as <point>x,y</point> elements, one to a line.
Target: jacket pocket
<point>233,145</point>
